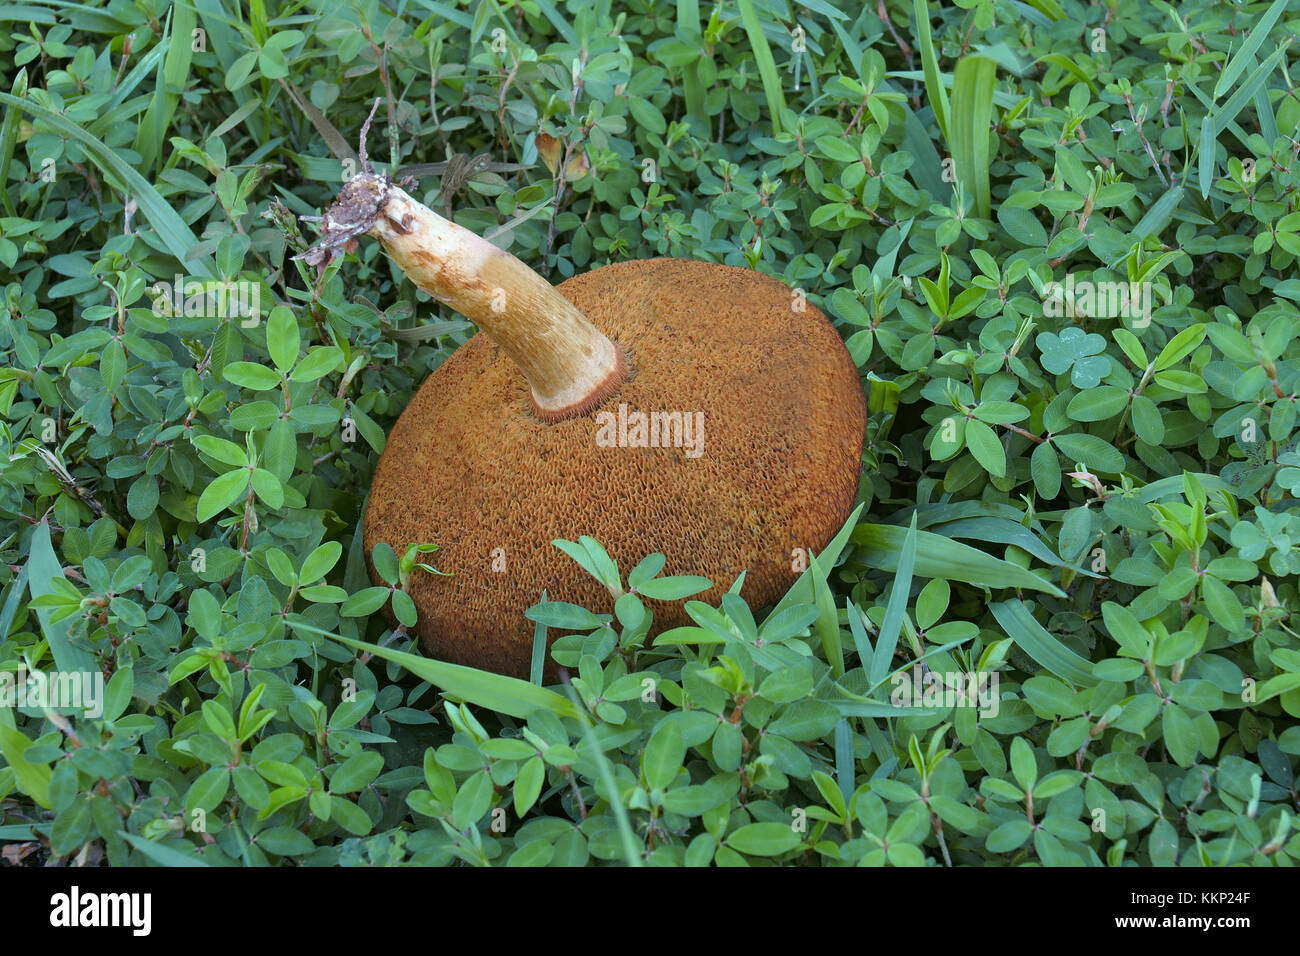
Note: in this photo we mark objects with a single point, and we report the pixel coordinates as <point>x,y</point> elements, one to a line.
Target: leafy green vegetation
<point>1059,239</point>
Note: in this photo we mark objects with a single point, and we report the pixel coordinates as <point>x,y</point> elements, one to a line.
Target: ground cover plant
<point>1059,240</point>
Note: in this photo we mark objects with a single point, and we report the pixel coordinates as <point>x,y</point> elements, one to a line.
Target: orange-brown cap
<point>760,418</point>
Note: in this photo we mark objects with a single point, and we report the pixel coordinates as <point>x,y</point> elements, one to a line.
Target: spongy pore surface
<point>470,467</point>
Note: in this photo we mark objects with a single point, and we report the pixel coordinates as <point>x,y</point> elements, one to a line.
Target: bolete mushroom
<point>703,411</point>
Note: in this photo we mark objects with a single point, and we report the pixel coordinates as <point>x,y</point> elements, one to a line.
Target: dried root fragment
<point>569,364</point>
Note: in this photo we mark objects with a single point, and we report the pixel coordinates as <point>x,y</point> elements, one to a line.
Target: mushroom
<point>703,411</point>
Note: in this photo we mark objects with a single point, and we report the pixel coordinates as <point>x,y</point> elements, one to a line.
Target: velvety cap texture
<point>470,467</point>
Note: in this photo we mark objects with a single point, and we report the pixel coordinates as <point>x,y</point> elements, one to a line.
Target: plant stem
<point>571,366</point>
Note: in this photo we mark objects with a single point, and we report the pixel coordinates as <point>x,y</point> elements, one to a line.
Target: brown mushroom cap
<point>471,467</point>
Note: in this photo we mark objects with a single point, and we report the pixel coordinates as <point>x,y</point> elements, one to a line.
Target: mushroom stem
<point>570,365</point>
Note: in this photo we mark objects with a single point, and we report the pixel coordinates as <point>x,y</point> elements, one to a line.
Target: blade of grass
<point>972,110</point>
<point>504,230</point>
<point>235,118</point>
<point>23,15</point>
<point>484,9</point>
<point>295,202</point>
<point>1005,531</point>
<point>448,12</point>
<point>562,25</point>
<point>17,587</point>
<point>1233,127</point>
<point>162,855</point>
<point>1069,66</point>
<point>1205,159</point>
<point>1003,98</point>
<point>936,514</point>
<point>801,592</point>
<point>170,227</point>
<point>688,31</point>
<point>1035,641</point>
<point>318,168</point>
<point>223,40</point>
<point>844,763</point>
<point>43,566</point>
<point>631,848</point>
<point>328,132</point>
<point>221,29</point>
<point>1173,487</point>
<point>907,666</point>
<point>881,747</point>
<point>1245,55</point>
<point>930,64</point>
<point>424,332</point>
<point>766,65</point>
<point>827,624</point>
<point>940,557</point>
<point>505,695</point>
<point>1158,216</point>
<point>355,576</point>
<point>538,661</point>
<point>828,10</point>
<point>1209,133</point>
<point>927,171</point>
<point>887,639</point>
<point>82,17</point>
<point>1249,87</point>
<point>1030,14</point>
<point>854,708</point>
<point>173,78</point>
<point>144,68</point>
<point>861,639</point>
<point>851,47</point>
<point>1048,8</point>
<point>889,676</point>
<point>1005,57</point>
<point>257,21</point>
<point>1264,113</point>
<point>8,137</point>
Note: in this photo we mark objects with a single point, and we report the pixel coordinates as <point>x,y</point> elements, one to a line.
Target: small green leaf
<point>267,487</point>
<point>142,499</point>
<point>228,453</point>
<point>251,375</point>
<point>1023,766</point>
<point>663,755</point>
<point>356,772</point>
<point>673,588</point>
<point>765,839</point>
<point>282,337</point>
<point>222,492</point>
<point>319,362</point>
<point>528,785</point>
<point>320,561</point>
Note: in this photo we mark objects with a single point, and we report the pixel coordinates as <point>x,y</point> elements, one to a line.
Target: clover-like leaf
<point>1082,354</point>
